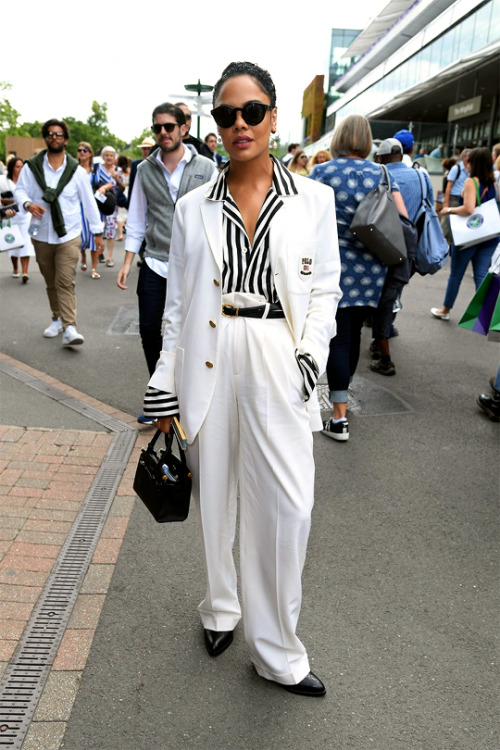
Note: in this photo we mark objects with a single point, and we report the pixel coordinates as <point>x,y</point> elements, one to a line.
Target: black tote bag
<point>163,481</point>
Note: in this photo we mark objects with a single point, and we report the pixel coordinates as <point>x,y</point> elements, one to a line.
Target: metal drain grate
<point>25,676</point>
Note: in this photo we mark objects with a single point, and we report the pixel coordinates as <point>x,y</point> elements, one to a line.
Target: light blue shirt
<point>457,175</point>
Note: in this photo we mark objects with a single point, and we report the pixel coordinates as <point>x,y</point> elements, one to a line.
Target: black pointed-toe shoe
<point>217,641</point>
<point>310,685</point>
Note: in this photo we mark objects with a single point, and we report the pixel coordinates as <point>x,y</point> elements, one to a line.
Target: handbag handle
<point>169,437</point>
<point>476,185</point>
<point>478,197</point>
<point>386,180</point>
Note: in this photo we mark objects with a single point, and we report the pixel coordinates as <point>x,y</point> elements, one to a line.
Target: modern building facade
<point>432,66</point>
<point>340,42</point>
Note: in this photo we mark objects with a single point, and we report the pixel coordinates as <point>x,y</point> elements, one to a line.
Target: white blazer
<point>306,265</point>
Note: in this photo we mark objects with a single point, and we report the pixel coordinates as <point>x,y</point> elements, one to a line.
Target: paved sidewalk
<point>45,475</point>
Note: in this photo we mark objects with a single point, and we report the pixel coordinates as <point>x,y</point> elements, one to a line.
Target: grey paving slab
<point>26,407</point>
<point>44,734</point>
<point>58,697</point>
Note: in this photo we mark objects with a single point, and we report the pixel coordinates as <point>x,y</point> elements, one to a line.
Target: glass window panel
<point>479,38</point>
<point>435,56</point>
<point>446,50</point>
<point>494,23</point>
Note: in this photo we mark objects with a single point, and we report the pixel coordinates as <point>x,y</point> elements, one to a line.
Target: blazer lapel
<point>211,212</point>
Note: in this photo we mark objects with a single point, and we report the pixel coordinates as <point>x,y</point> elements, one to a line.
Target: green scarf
<point>50,195</point>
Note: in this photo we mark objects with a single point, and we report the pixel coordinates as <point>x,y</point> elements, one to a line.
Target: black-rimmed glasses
<point>252,112</point>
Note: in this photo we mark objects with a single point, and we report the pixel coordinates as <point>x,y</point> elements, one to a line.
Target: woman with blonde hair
<point>298,164</point>
<point>351,176</point>
<point>320,157</point>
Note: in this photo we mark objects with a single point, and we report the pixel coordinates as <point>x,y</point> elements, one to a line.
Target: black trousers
<point>151,291</point>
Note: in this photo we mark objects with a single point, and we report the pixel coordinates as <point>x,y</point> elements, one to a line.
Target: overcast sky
<point>134,56</point>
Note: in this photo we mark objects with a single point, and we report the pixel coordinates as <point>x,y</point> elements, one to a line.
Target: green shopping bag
<point>480,313</point>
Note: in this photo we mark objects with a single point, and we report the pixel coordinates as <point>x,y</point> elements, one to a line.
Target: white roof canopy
<point>384,20</point>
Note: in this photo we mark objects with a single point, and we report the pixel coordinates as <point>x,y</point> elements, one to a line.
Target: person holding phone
<point>253,289</point>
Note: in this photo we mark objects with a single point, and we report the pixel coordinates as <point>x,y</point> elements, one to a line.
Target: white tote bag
<point>482,224</point>
<point>10,237</point>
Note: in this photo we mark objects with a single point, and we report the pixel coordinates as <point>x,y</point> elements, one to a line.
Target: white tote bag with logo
<point>10,237</point>
<point>483,224</point>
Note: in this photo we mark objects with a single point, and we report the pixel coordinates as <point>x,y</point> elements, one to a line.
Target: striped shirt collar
<point>282,184</point>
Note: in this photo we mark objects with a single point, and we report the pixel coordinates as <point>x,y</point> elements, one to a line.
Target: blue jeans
<point>151,290</point>
<point>344,351</point>
<point>496,383</point>
<point>480,255</point>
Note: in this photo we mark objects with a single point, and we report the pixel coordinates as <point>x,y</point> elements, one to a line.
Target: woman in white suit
<point>252,292</point>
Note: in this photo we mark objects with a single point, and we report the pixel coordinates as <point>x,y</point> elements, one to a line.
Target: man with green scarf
<point>55,191</point>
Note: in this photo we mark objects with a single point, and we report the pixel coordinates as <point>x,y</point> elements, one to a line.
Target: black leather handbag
<point>163,481</point>
<point>377,223</point>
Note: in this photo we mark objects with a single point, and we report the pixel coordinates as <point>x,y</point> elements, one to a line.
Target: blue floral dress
<point>362,276</point>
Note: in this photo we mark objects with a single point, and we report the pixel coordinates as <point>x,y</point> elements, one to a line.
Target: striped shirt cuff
<point>160,404</point>
<point>310,373</point>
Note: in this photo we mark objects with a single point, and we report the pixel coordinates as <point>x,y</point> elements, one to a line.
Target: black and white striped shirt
<point>246,268</point>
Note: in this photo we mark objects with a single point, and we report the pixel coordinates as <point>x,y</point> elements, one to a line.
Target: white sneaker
<point>442,316</point>
<point>71,337</point>
<point>54,329</point>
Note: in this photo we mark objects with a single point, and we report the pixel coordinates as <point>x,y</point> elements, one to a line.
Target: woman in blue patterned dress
<point>85,155</point>
<point>362,277</point>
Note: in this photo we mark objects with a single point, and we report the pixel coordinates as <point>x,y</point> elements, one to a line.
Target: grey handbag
<point>377,224</point>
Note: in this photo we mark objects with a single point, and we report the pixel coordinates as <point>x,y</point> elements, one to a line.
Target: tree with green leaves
<point>95,131</point>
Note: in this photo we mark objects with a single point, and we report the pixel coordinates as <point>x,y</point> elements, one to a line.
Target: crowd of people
<point>369,296</point>
<point>251,265</point>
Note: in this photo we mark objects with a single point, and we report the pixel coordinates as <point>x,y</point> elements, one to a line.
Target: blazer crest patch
<point>306,266</point>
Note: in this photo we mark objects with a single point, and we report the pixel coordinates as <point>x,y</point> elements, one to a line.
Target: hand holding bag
<point>106,203</point>
<point>163,481</point>
<point>377,224</point>
<point>10,236</point>
<point>483,223</point>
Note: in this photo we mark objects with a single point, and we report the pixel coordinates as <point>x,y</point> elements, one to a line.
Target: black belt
<point>273,310</point>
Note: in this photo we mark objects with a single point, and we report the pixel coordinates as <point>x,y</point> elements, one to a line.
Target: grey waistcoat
<point>161,207</point>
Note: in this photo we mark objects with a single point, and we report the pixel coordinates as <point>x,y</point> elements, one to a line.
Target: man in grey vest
<point>166,175</point>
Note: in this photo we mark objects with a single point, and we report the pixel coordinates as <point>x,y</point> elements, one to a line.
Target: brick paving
<point>45,475</point>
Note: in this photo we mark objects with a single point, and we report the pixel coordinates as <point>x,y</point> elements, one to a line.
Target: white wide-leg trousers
<point>257,433</point>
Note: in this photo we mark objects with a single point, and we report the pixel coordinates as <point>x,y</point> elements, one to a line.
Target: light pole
<point>198,88</point>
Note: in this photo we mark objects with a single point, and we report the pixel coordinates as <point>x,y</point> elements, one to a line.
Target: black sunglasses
<point>83,150</point>
<point>169,127</point>
<point>252,112</point>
